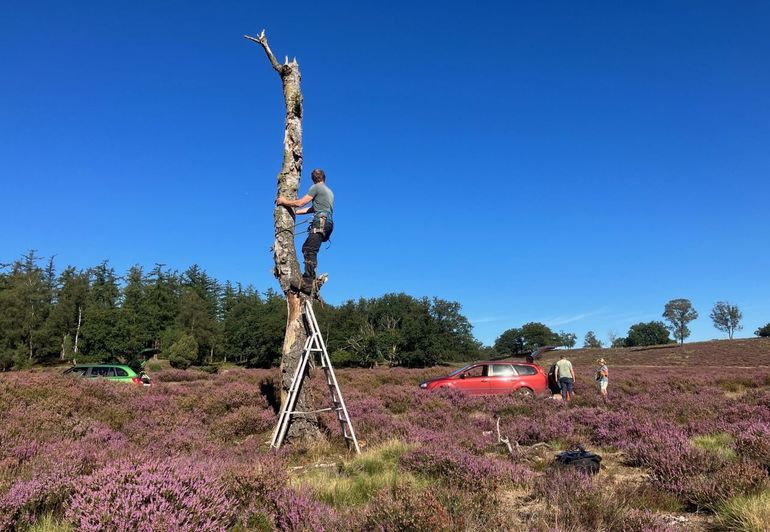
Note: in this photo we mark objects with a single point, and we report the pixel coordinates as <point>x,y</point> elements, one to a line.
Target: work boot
<point>307,285</point>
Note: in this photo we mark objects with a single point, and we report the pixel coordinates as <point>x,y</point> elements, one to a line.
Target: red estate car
<point>490,378</point>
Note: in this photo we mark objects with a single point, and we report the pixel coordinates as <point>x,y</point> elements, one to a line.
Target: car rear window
<point>524,370</point>
<point>121,372</point>
<point>102,372</point>
<point>501,370</point>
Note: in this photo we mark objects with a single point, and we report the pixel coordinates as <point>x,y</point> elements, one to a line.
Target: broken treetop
<point>323,198</point>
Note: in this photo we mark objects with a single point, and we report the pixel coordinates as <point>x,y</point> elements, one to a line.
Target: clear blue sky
<point>575,163</point>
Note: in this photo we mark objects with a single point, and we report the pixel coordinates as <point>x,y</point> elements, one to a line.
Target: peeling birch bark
<point>287,268</point>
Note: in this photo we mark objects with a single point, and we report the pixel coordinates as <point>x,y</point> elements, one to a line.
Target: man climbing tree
<point>320,228</point>
<point>305,427</point>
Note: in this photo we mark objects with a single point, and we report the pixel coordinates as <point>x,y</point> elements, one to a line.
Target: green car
<point>112,372</point>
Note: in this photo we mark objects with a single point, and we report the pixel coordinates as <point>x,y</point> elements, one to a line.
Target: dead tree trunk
<point>77,331</point>
<point>306,427</point>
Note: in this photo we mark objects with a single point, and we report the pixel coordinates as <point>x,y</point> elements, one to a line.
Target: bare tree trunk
<point>77,331</point>
<point>284,253</point>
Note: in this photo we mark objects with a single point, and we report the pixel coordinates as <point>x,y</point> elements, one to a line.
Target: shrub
<point>178,375</point>
<point>245,421</point>
<point>763,331</point>
<point>162,495</point>
<point>404,508</point>
<point>461,468</point>
<point>342,358</point>
<point>25,500</point>
<point>184,352</point>
<point>578,501</point>
<point>754,442</point>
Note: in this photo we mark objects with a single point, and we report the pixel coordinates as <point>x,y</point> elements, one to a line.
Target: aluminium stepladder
<point>314,345</point>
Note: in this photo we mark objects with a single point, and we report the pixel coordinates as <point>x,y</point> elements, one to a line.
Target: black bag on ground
<point>584,460</point>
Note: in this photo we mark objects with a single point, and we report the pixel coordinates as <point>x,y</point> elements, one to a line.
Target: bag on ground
<point>580,458</point>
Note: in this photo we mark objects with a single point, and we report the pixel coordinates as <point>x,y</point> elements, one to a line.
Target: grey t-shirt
<point>323,198</point>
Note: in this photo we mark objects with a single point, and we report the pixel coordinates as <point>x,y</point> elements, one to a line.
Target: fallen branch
<point>505,440</point>
<point>314,466</point>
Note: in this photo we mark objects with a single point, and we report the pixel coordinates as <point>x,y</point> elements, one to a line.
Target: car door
<point>473,380</point>
<point>532,378</point>
<point>502,379</point>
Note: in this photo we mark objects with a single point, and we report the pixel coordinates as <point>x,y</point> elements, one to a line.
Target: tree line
<point>94,314</point>
<point>677,313</point>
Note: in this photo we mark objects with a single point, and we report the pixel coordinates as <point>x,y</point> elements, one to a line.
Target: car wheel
<point>524,392</point>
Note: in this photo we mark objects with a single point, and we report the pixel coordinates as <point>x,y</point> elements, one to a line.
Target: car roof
<point>487,362</point>
<point>101,366</point>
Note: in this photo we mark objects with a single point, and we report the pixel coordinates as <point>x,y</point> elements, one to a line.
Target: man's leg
<point>310,254</point>
<point>569,389</point>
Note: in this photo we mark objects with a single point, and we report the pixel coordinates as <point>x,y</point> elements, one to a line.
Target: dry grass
<point>49,523</point>
<point>355,482</point>
<point>750,513</point>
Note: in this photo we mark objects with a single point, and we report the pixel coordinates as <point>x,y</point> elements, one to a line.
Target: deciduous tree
<point>679,313</point>
<point>510,342</point>
<point>726,317</point>
<point>67,315</point>
<point>591,340</point>
<point>536,335</point>
<point>650,333</point>
<point>566,339</point>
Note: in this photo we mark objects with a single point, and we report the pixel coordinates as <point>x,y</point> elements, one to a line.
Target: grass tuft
<point>745,512</point>
<point>356,482</point>
<point>49,523</point>
<point>720,444</point>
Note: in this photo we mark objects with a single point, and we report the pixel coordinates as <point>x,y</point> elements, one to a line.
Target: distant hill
<point>748,352</point>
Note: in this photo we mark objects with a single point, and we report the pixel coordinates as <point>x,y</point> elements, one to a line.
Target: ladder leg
<point>314,344</point>
<point>336,394</point>
<point>291,398</point>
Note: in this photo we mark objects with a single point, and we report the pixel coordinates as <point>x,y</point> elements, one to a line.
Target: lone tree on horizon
<point>726,317</point>
<point>679,312</point>
<point>287,271</point>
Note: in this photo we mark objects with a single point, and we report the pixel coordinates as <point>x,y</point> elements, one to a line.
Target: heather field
<point>685,441</point>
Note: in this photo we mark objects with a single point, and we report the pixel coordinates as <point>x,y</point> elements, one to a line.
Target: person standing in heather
<point>602,377</point>
<point>565,376</point>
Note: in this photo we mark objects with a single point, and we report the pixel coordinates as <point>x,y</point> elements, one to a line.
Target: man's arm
<point>300,202</point>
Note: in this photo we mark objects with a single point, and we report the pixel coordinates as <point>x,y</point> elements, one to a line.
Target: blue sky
<point>575,163</point>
